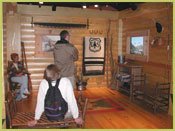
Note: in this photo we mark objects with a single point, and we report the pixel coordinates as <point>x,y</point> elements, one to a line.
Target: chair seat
<point>21,118</point>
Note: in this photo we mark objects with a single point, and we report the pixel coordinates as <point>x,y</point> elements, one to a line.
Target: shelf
<point>61,25</point>
<point>129,65</point>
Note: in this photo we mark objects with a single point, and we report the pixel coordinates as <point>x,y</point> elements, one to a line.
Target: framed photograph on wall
<point>93,55</point>
<point>48,42</point>
<point>44,42</point>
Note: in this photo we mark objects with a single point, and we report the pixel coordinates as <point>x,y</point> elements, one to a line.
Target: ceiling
<point>112,6</point>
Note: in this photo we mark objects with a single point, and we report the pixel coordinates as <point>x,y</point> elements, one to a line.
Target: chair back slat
<point>137,86</point>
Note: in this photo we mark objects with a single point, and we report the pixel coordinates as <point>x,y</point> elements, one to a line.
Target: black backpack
<point>55,106</point>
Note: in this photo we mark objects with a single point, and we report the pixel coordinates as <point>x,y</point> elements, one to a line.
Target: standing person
<point>64,56</point>
<point>65,87</point>
<point>17,73</point>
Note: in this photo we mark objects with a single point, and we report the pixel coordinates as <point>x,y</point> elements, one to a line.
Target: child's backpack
<point>55,106</point>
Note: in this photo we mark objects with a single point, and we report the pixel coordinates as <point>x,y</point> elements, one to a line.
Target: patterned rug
<point>101,105</point>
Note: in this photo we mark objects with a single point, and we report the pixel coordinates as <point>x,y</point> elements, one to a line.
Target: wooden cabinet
<point>125,72</point>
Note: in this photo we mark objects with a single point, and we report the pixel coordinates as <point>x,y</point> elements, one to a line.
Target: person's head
<point>14,57</point>
<point>65,35</point>
<point>51,73</point>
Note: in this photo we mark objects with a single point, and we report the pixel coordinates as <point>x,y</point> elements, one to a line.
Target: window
<point>137,45</point>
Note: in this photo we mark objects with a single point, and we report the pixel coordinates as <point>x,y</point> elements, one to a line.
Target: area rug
<point>102,105</point>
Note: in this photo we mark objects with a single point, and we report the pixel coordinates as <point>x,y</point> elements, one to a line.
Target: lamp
<point>41,3</point>
<point>84,6</point>
<point>96,5</point>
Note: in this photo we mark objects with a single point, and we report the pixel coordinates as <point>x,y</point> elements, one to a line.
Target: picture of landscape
<point>136,45</point>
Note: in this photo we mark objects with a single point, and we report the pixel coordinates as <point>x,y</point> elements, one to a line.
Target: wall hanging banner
<point>93,55</point>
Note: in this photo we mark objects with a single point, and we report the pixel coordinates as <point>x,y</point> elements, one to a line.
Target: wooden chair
<point>137,86</point>
<point>20,119</point>
<point>158,96</point>
<point>153,97</point>
<point>14,86</point>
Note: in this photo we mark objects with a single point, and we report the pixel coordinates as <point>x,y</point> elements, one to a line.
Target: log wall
<point>98,26</point>
<point>159,66</point>
<point>143,18</point>
<point>156,68</point>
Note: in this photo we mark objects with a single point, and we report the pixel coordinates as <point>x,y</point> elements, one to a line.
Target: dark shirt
<point>62,41</point>
<point>13,71</point>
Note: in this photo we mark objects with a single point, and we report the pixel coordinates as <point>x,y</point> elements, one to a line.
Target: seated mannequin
<point>18,74</point>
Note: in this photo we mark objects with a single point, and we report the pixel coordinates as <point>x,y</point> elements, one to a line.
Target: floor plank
<point>133,117</point>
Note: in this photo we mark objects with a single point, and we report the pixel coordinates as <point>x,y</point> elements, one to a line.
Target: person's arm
<point>73,51</point>
<point>40,102</point>
<point>22,68</point>
<point>10,69</point>
<point>79,121</point>
<point>75,54</point>
<point>72,103</point>
<point>40,99</point>
<point>19,74</point>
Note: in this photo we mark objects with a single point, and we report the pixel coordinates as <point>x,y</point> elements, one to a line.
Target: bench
<point>19,119</point>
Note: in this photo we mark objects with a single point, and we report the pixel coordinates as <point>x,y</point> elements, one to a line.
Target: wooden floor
<point>133,117</point>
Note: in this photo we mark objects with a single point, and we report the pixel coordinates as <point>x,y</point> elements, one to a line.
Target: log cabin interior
<point>137,40</point>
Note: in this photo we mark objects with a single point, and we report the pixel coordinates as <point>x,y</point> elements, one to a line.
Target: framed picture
<point>93,55</point>
<point>44,42</point>
<point>48,42</point>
